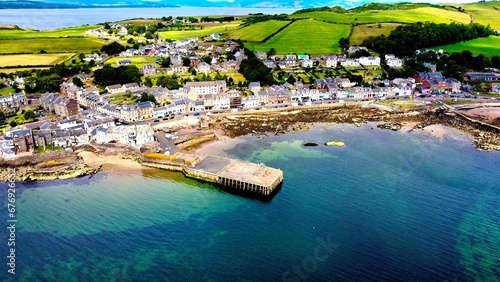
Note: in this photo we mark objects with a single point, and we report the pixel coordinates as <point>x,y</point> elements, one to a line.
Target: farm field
<point>9,70</point>
<point>50,45</point>
<point>423,14</point>
<point>138,61</point>
<point>322,38</point>
<point>488,46</point>
<point>29,33</point>
<point>258,31</point>
<point>484,13</point>
<point>206,31</point>
<point>361,32</point>
<point>33,59</point>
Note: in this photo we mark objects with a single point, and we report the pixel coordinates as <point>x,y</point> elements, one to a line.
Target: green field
<point>63,32</point>
<point>305,36</point>
<point>139,61</point>
<point>258,31</point>
<point>484,13</point>
<point>33,59</point>
<point>206,31</point>
<point>400,16</point>
<point>361,32</point>
<point>488,46</point>
<point>50,45</point>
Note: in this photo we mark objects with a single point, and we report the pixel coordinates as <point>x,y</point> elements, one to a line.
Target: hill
<point>305,36</point>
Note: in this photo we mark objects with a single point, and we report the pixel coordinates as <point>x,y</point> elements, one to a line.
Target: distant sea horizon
<point>49,19</point>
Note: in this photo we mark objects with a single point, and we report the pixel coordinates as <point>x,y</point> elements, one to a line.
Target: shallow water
<point>389,206</point>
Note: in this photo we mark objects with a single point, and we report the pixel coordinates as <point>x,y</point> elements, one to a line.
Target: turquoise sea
<point>389,206</point>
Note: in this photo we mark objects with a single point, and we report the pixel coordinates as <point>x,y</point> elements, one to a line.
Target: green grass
<point>258,31</point>
<point>29,33</point>
<point>50,45</point>
<point>484,13</point>
<point>206,31</point>
<point>9,70</point>
<point>401,16</point>
<point>457,102</point>
<point>139,61</point>
<point>488,46</point>
<point>6,91</point>
<point>362,32</point>
<point>33,59</point>
<point>322,38</point>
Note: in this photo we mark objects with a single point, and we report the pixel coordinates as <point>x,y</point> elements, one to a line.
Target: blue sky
<point>237,3</point>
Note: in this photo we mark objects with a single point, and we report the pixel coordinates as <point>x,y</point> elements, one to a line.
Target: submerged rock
<point>310,144</point>
<point>335,143</point>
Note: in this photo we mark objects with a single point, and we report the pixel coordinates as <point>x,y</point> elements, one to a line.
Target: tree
<point>77,81</point>
<point>29,115</point>
<point>206,59</point>
<point>113,48</point>
<point>290,79</point>
<point>166,63</point>
<point>271,52</point>
<point>144,97</point>
<point>13,123</point>
<point>148,35</point>
<point>230,56</point>
<point>148,82</point>
<point>152,98</point>
<point>107,26</point>
<point>186,62</point>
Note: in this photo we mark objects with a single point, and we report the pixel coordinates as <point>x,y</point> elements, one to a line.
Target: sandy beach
<point>220,146</point>
<point>109,162</point>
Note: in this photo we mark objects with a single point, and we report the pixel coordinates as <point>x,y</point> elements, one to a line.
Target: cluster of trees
<point>254,70</point>
<point>217,19</point>
<point>120,75</point>
<point>170,82</point>
<point>113,48</point>
<point>405,39</point>
<point>334,9</point>
<point>148,97</point>
<point>255,18</point>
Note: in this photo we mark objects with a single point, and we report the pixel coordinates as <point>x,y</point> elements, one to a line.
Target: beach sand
<point>444,132</point>
<point>109,162</point>
<point>220,146</point>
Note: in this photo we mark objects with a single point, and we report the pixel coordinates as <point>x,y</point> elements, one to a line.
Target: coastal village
<point>160,143</point>
<point>88,114</point>
<point>82,115</point>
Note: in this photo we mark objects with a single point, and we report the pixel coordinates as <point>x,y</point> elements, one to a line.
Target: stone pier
<point>235,175</point>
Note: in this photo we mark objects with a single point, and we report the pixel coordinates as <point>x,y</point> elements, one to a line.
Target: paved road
<point>165,144</point>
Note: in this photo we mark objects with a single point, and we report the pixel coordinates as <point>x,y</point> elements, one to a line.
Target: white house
<point>369,61</point>
<point>307,63</point>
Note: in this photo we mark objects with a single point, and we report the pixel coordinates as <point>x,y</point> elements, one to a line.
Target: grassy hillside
<point>50,45</point>
<point>484,13</point>
<point>488,46</point>
<point>63,32</point>
<point>422,14</point>
<point>33,59</point>
<point>361,32</point>
<point>305,36</point>
<point>258,31</point>
<point>208,29</point>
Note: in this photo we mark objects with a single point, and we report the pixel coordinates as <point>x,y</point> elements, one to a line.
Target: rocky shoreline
<point>486,137</point>
<point>85,159</point>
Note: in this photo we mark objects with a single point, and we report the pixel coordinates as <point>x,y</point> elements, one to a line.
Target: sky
<point>232,3</point>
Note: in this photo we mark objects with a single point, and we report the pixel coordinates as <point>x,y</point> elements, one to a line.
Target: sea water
<point>389,206</point>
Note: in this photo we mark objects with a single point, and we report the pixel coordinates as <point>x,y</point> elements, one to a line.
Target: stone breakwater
<point>234,175</point>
